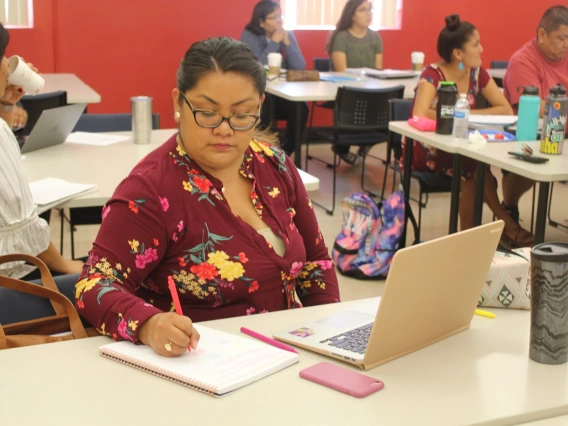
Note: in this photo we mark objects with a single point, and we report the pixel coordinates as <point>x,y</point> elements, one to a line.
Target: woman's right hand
<point>169,329</point>
<point>278,35</point>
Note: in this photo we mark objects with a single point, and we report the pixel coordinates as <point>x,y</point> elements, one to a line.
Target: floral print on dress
<point>144,255</point>
<point>102,276</point>
<point>197,183</point>
<point>165,204</point>
<point>213,270</point>
<point>272,191</point>
<point>134,205</point>
<point>262,149</point>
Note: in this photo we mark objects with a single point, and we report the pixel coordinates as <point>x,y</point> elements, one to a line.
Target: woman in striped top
<point>21,230</point>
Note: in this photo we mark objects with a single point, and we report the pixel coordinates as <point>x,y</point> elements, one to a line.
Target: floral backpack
<point>368,240</point>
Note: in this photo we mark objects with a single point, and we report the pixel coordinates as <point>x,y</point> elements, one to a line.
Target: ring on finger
<point>168,346</point>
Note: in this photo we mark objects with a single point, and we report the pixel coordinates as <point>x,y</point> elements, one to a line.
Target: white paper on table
<point>96,139</point>
<point>53,190</point>
<point>495,120</point>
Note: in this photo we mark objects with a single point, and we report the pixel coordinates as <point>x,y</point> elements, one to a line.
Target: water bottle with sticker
<point>554,121</point>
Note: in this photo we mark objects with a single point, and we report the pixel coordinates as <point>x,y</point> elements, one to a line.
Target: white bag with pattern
<point>508,283</point>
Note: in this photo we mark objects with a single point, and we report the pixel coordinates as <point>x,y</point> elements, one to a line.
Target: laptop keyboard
<point>353,340</point>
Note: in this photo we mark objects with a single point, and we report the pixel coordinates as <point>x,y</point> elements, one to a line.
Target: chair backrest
<point>322,64</point>
<point>34,106</point>
<point>110,122</point>
<point>501,65</point>
<point>364,109</point>
<point>399,110</point>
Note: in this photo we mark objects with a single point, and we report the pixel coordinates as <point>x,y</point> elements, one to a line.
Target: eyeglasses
<point>274,18</point>
<point>212,119</point>
<point>365,10</point>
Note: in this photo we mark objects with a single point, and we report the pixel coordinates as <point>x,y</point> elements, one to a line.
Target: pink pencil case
<point>422,123</point>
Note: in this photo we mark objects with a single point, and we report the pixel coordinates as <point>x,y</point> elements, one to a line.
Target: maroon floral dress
<point>426,158</point>
<point>169,220</point>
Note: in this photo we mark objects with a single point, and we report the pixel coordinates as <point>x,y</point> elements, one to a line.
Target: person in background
<point>459,46</point>
<point>354,45</point>
<point>264,34</point>
<point>217,210</point>
<point>543,63</point>
<point>21,230</point>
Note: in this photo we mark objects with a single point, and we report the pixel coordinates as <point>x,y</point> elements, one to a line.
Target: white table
<point>77,91</point>
<point>308,91</point>
<point>480,376</point>
<point>493,154</point>
<point>82,164</point>
<point>554,421</point>
<point>313,91</point>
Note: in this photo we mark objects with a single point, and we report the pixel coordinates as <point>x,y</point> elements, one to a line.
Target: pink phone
<point>341,379</point>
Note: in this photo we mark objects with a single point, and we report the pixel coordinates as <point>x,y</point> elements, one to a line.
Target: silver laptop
<point>431,293</point>
<point>53,127</point>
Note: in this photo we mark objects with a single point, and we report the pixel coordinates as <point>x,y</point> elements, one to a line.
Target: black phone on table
<point>530,158</point>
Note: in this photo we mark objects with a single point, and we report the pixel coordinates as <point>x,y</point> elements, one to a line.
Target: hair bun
<point>453,22</point>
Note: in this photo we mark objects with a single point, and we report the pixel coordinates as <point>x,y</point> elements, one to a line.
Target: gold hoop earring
<point>177,115</point>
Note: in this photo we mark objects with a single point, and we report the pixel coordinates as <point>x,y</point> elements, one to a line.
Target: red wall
<point>133,47</point>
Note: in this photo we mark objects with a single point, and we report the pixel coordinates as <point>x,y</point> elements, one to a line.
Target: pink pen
<point>175,298</point>
<point>268,340</point>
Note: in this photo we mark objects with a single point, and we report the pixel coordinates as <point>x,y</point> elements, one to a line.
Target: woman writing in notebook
<point>460,48</point>
<point>354,45</point>
<point>218,209</point>
<point>22,231</point>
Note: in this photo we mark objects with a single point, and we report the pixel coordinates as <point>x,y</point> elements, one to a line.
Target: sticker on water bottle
<point>460,114</point>
<point>446,111</point>
<point>553,138</point>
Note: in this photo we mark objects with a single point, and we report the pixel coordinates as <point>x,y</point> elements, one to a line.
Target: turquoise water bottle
<point>529,112</point>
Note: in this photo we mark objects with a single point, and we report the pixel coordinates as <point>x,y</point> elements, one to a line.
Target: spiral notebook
<point>222,363</point>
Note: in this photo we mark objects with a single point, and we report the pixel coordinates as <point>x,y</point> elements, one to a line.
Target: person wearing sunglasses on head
<point>264,34</point>
<point>218,210</point>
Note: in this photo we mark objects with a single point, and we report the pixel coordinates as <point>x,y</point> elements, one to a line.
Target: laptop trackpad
<point>347,319</point>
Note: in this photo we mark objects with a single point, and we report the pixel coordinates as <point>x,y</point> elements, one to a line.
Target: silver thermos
<point>141,107</point>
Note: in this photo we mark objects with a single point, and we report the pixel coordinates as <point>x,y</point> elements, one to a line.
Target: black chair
<point>499,65</point>
<point>109,123</point>
<point>321,65</point>
<point>34,106</point>
<point>360,117</point>
<point>429,183</point>
<point>97,123</point>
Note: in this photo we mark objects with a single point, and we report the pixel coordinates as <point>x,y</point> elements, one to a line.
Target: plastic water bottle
<point>529,111</point>
<point>461,118</point>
